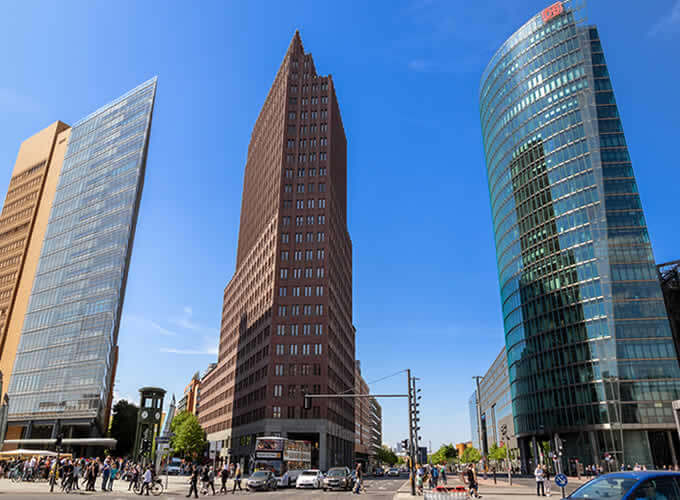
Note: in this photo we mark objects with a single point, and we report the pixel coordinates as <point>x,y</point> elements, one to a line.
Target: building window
<point>320,236</point>
<point>322,187</point>
<point>310,203</point>
<point>310,219</point>
<point>318,349</point>
<point>317,369</point>
<point>280,330</point>
<point>312,171</point>
<point>288,188</point>
<point>284,238</point>
<point>315,100</point>
<point>298,254</point>
<point>293,330</point>
<point>321,219</point>
<point>323,141</point>
<point>305,349</point>
<point>289,173</point>
<point>282,310</point>
<point>276,412</point>
<point>301,172</point>
<point>322,171</point>
<point>292,370</point>
<point>290,159</point>
<point>310,188</point>
<point>291,115</point>
<point>324,114</point>
<point>296,291</point>
<point>291,144</point>
<point>309,254</point>
<point>299,220</point>
<point>314,115</point>
<point>298,237</point>
<point>312,158</point>
<point>284,255</point>
<point>303,115</point>
<point>301,158</point>
<point>323,156</point>
<point>297,274</point>
<point>300,188</point>
<point>300,204</point>
<point>310,237</point>
<point>286,220</point>
<point>293,349</point>
<point>284,274</point>
<point>308,291</point>
<point>287,203</point>
<point>295,310</point>
<point>324,99</point>
<point>282,291</point>
<point>306,370</point>
<point>318,329</point>
<point>307,309</point>
<point>278,390</point>
<point>322,203</point>
<point>320,253</point>
<point>292,390</point>
<point>279,349</point>
<point>308,272</point>
<point>324,127</point>
<point>319,291</point>
<point>306,329</point>
<point>319,272</point>
<point>319,309</point>
<point>278,370</point>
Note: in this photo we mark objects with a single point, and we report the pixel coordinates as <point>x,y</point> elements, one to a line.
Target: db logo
<point>554,10</point>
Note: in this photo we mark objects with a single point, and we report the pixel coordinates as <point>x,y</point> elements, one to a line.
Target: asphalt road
<point>376,488</point>
<point>531,483</point>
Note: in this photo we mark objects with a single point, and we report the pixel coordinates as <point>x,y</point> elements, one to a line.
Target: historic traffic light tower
<point>148,421</point>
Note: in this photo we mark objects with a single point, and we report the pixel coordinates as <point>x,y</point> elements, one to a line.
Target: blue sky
<point>407,76</point>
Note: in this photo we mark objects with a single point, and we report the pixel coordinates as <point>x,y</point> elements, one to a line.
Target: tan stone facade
<point>23,222</point>
<point>287,313</point>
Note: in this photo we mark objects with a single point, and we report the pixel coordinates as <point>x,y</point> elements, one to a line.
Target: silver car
<point>261,480</point>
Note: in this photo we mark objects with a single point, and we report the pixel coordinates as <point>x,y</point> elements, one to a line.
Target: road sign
<point>162,440</point>
<point>561,480</point>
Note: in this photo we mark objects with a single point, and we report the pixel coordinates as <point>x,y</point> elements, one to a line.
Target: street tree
<point>189,439</point>
<point>387,456</point>
<point>124,426</point>
<point>470,455</point>
<point>497,453</point>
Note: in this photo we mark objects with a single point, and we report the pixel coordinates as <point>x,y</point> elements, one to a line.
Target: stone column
<point>323,449</point>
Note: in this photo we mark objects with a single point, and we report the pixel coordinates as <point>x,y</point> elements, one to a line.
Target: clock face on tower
<point>145,415</point>
<point>157,416</point>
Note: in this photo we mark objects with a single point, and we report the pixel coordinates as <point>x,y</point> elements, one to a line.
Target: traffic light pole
<point>412,476</point>
<point>558,448</point>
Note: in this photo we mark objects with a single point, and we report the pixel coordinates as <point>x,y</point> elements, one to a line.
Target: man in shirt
<point>147,481</point>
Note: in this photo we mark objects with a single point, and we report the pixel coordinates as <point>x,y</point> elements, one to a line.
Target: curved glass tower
<point>590,352</point>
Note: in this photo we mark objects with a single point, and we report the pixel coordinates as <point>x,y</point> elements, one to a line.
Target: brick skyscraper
<point>287,313</point>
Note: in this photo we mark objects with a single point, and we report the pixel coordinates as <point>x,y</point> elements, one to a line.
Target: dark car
<point>378,471</point>
<point>338,478</point>
<point>657,485</point>
<point>262,480</point>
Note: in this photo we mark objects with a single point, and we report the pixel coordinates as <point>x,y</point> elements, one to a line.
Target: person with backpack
<point>193,488</point>
<point>471,478</point>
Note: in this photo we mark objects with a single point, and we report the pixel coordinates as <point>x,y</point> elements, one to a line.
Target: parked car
<point>378,471</point>
<point>631,486</point>
<point>338,478</point>
<point>311,478</point>
<point>393,472</point>
<point>262,480</point>
<point>288,478</point>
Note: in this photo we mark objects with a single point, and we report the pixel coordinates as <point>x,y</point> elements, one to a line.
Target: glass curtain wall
<point>589,347</point>
<point>68,348</point>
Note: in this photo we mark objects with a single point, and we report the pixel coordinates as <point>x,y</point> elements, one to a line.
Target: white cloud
<point>137,322</point>
<point>668,24</point>
<point>212,351</point>
<point>185,320</point>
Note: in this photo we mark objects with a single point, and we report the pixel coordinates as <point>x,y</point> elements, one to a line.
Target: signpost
<point>561,480</point>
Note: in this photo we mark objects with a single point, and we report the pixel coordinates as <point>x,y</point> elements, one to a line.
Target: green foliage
<point>497,452</point>
<point>124,426</point>
<point>470,455</point>
<point>445,454</point>
<point>387,456</point>
<point>189,438</point>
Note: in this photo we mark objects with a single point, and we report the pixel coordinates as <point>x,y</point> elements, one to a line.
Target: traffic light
<point>308,402</point>
<point>60,438</point>
<point>404,444</point>
<point>146,446</point>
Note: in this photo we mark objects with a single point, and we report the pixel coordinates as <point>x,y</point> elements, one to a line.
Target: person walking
<point>193,482</point>
<point>442,474</point>
<point>357,483</point>
<point>546,481</point>
<point>435,476</point>
<point>211,480</point>
<point>113,475</point>
<point>224,474</point>
<point>472,481</point>
<point>538,474</point>
<point>237,479</point>
<point>146,484</point>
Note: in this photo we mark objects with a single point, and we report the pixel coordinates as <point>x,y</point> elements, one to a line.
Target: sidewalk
<point>491,491</point>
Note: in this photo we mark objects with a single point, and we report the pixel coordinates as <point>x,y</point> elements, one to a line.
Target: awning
<point>103,442</point>
<point>31,453</point>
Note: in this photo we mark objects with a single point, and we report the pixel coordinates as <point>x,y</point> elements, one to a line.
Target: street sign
<point>162,440</point>
<point>561,480</point>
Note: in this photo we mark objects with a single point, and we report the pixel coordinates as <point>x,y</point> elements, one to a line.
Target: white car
<point>288,478</point>
<point>311,478</point>
<point>394,472</point>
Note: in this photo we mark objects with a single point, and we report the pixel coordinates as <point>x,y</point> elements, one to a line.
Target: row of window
<point>288,188</point>
<point>305,115</point>
<point>305,129</point>
<point>301,172</point>
<point>303,349</point>
<point>305,88</point>
<point>300,204</point>
<point>295,291</point>
<point>323,141</point>
<point>297,273</point>
<point>300,220</point>
<point>292,370</point>
<point>293,330</point>
<point>309,254</point>
<point>320,236</point>
<point>293,389</point>
<point>302,157</point>
<point>306,309</point>
<point>308,100</point>
<point>293,412</point>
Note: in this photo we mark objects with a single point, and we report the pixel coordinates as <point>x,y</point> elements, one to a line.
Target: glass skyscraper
<point>590,352</point>
<point>65,364</point>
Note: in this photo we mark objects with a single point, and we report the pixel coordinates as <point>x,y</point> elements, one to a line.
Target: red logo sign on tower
<point>553,11</point>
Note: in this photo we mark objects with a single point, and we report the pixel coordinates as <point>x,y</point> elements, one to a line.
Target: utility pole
<point>504,433</point>
<point>479,422</point>
<point>412,476</point>
<point>558,448</point>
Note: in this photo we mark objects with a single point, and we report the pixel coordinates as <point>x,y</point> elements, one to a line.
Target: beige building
<point>23,222</point>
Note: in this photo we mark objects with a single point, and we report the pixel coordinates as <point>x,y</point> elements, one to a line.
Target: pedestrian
<point>146,484</point>
<point>546,481</point>
<point>193,482</point>
<point>442,474</point>
<point>77,467</point>
<point>435,476</point>
<point>224,474</point>
<point>113,474</point>
<point>211,480</point>
<point>133,477</point>
<point>106,472</point>
<point>237,479</point>
<point>538,474</point>
<point>357,482</point>
<point>471,476</point>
